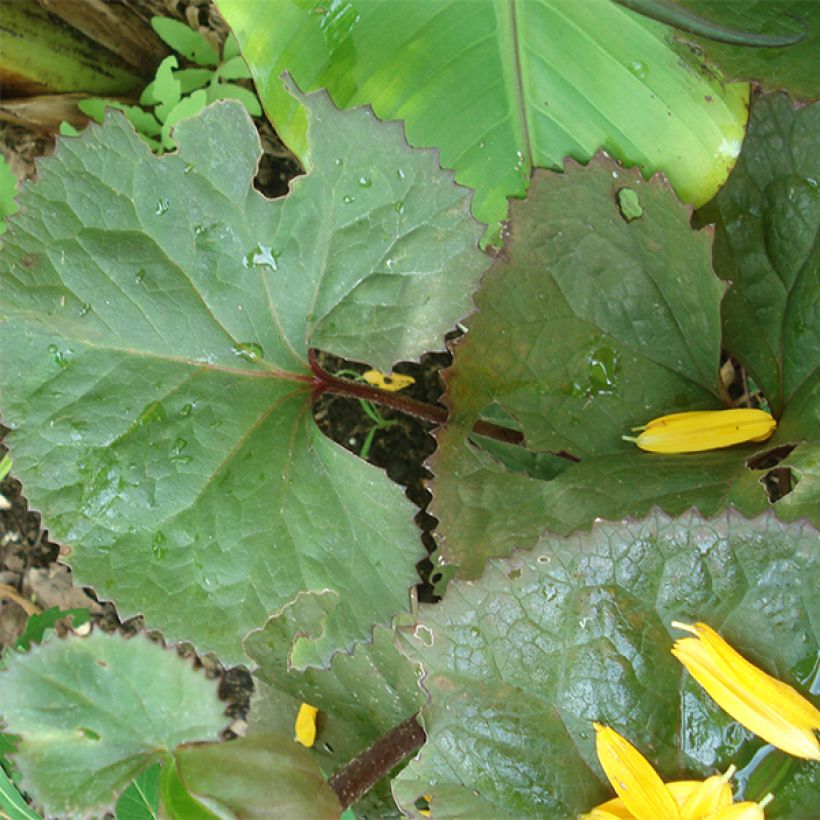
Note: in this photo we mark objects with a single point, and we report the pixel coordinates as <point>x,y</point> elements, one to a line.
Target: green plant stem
<point>324,382</point>
<point>368,768</point>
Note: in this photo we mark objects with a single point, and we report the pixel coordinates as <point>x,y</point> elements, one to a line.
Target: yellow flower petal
<point>681,790</point>
<point>764,705</point>
<point>392,381</point>
<point>710,795</point>
<point>633,778</point>
<point>741,811</point>
<point>306,725</point>
<point>700,430</point>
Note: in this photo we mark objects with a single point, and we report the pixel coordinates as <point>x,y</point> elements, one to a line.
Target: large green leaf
<point>793,68</point>
<point>587,325</point>
<point>519,663</point>
<point>161,310</point>
<point>767,218</point>
<point>266,775</point>
<point>502,87</point>
<point>93,712</point>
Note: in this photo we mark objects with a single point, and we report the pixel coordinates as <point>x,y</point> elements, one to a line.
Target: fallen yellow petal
<point>700,430</point>
<point>764,705</point>
<point>306,725</point>
<point>741,811</point>
<point>392,381</point>
<point>643,792</point>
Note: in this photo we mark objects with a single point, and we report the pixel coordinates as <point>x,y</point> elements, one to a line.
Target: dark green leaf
<point>767,219</point>
<point>190,44</point>
<point>264,775</point>
<point>519,663</point>
<point>176,801</point>
<point>161,310</point>
<point>793,68</point>
<point>94,712</point>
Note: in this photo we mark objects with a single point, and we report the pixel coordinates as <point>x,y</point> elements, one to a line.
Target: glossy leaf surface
<point>501,88</point>
<point>520,662</point>
<point>767,219</point>
<point>587,325</point>
<point>162,311</point>
<point>83,737</point>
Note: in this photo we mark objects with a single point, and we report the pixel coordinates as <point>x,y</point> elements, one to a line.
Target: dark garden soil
<point>32,578</point>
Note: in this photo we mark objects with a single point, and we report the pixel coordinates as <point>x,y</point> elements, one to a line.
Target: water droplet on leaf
<point>251,351</point>
<point>162,206</point>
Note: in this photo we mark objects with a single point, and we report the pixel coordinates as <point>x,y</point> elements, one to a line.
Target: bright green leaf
<point>175,800</point>
<point>93,712</point>
<point>192,78</point>
<point>8,189</point>
<point>230,48</point>
<point>186,107</point>
<point>264,775</point>
<point>234,69</point>
<point>140,801</point>
<point>190,44</point>
<point>161,311</point>
<point>12,804</point>
<point>767,218</point>
<point>166,89</point>
<point>792,68</point>
<point>142,120</point>
<point>519,663</point>
<point>228,91</point>
<point>501,88</point>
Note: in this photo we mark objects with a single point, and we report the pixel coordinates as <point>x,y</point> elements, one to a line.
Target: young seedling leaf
<point>94,712</point>
<point>234,69</point>
<point>192,78</point>
<point>259,776</point>
<point>519,663</point>
<point>791,68</point>
<point>186,107</point>
<point>767,217</point>
<point>162,310</point>
<point>166,88</point>
<point>184,40</point>
<point>503,88</point>
<point>228,91</point>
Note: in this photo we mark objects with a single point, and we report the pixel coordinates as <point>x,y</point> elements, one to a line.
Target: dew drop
<point>265,255</point>
<point>162,206</point>
<point>365,182</point>
<point>638,69</point>
<point>158,545</point>
<point>84,310</point>
<point>399,206</point>
<point>339,161</point>
<point>139,276</point>
<point>347,199</point>
<point>251,351</point>
<point>187,409</point>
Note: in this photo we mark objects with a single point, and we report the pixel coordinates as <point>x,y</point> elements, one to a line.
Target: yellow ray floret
<point>742,811</point>
<point>305,727</point>
<point>388,381</point>
<point>639,786</point>
<point>695,799</point>
<point>701,430</point>
<point>764,705</point>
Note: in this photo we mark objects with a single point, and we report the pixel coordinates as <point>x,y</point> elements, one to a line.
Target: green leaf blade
<point>521,662</point>
<point>167,332</point>
<point>82,741</point>
<point>499,88</point>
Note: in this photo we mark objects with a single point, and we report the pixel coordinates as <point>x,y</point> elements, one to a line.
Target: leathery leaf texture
<point>160,311</point>
<point>520,663</point>
<point>94,712</point>
<point>504,87</point>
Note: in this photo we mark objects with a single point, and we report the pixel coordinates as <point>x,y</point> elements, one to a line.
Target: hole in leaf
<point>778,482</point>
<point>328,747</point>
<point>769,458</point>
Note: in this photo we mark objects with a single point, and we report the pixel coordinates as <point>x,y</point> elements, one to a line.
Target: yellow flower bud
<point>700,430</point>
